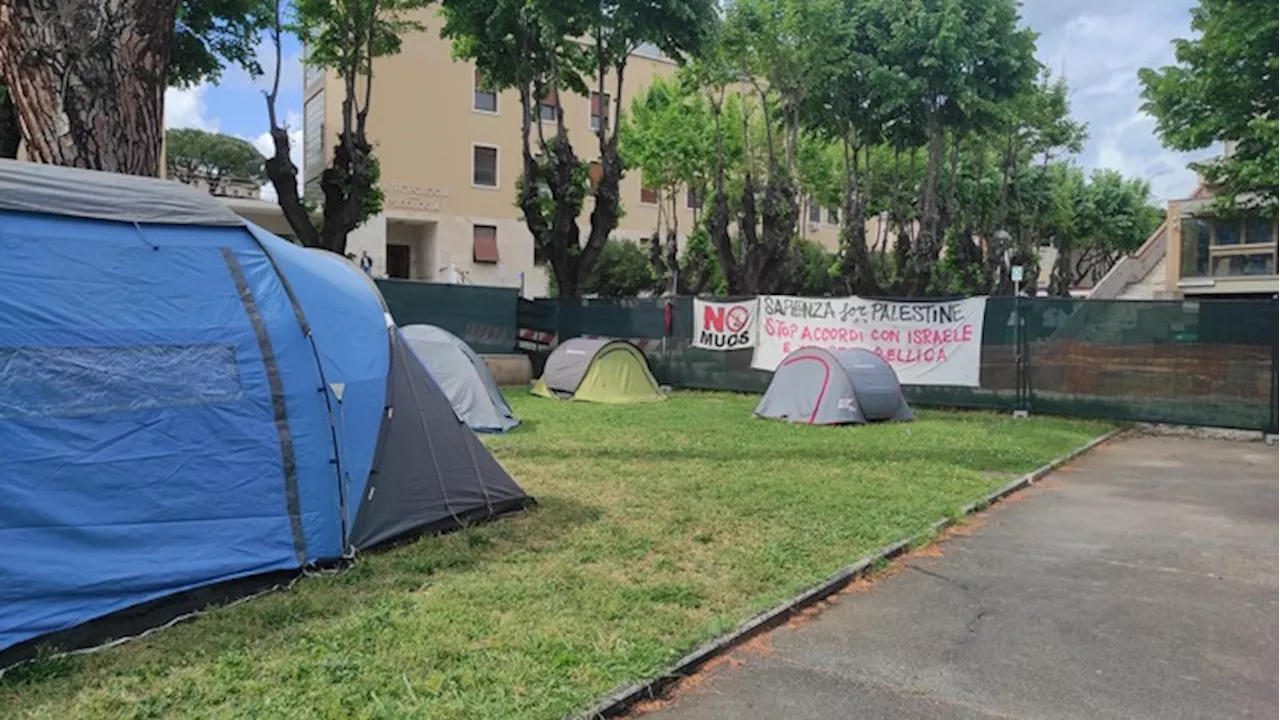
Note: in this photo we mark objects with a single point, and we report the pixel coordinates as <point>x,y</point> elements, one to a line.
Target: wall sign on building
<point>724,325</point>
<point>927,343</point>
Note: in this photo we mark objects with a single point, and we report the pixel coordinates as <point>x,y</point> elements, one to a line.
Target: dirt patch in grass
<point>659,527</point>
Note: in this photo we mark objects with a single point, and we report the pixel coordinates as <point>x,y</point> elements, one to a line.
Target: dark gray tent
<point>818,387</point>
<point>463,376</point>
<point>430,471</point>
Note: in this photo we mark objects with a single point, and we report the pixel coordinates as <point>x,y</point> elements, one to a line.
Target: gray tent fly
<point>819,387</point>
<point>462,374</point>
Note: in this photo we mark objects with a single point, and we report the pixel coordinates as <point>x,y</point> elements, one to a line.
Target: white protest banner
<point>724,325</point>
<point>927,343</point>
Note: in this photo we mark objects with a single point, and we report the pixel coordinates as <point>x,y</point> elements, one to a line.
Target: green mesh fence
<point>1185,362</point>
<point>484,317</point>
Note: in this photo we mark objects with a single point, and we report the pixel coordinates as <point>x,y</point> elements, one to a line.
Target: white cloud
<point>265,52</point>
<point>187,109</point>
<point>265,145</point>
<point>1099,45</point>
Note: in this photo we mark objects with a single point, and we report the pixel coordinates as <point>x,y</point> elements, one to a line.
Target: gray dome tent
<point>463,376</point>
<point>598,370</point>
<point>818,387</point>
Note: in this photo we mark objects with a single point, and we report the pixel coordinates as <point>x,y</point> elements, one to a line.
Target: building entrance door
<point>399,261</point>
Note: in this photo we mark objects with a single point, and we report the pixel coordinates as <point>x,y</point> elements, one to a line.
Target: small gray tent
<point>598,370</point>
<point>463,376</point>
<point>817,387</point>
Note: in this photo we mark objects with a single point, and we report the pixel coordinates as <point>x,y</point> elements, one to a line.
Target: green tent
<point>598,370</point>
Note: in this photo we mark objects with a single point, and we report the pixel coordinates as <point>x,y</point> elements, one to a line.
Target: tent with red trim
<point>821,387</point>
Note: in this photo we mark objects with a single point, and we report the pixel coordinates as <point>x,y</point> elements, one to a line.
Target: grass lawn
<point>660,526</point>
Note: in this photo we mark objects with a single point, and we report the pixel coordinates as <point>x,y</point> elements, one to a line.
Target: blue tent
<point>187,400</point>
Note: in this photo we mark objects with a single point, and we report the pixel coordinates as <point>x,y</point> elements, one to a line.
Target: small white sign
<point>724,325</point>
<point>1015,273</point>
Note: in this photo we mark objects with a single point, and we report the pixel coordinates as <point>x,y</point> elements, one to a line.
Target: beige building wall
<point>1150,287</point>
<point>425,130</point>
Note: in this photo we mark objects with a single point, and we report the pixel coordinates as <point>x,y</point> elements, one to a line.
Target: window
<point>484,166</point>
<point>833,216</point>
<point>1195,248</point>
<point>313,136</point>
<point>691,200</point>
<point>82,381</point>
<point>815,211</point>
<point>1227,248</point>
<point>547,106</point>
<point>1226,233</point>
<point>484,244</point>
<point>483,100</point>
<point>1244,265</point>
<point>599,109</point>
<point>648,195</point>
<point>1258,232</point>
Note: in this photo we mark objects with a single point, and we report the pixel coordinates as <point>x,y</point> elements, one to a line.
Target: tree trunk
<point>856,264</point>
<point>10,130</point>
<point>928,246</point>
<point>718,219</point>
<point>88,79</point>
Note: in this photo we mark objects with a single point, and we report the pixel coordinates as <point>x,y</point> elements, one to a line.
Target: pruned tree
<point>1030,131</point>
<point>84,82</point>
<point>776,49</point>
<point>211,160</point>
<point>854,102</point>
<point>542,48</point>
<point>961,59</point>
<point>667,136</point>
<point>344,36</point>
<point>1223,88</point>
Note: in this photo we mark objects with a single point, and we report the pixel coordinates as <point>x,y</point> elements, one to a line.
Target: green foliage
<point>807,271</point>
<point>699,267</point>
<point>820,170</point>
<point>563,182</point>
<point>212,159</point>
<point>345,35</point>
<point>667,136</point>
<point>209,35</point>
<point>1115,214</point>
<point>623,270</point>
<point>1093,222</point>
<point>1224,89</point>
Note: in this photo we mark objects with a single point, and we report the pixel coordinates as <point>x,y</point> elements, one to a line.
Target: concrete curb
<point>620,701</point>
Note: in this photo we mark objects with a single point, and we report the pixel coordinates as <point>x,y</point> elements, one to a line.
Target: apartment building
<point>450,157</point>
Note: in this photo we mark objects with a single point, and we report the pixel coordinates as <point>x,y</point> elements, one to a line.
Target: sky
<point>1098,45</point>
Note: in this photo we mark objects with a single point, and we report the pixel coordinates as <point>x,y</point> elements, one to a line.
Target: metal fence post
<point>1020,408</point>
<point>1273,422</point>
